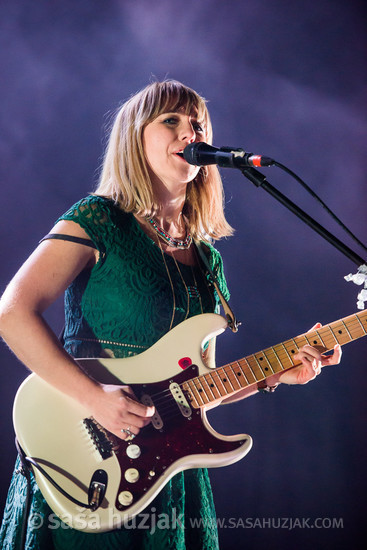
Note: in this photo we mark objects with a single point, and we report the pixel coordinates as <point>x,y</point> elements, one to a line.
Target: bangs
<point>172,96</point>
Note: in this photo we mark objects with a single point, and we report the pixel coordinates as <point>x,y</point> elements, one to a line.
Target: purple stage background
<point>285,78</point>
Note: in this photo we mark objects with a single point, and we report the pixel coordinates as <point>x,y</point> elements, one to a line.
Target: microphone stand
<point>259,180</point>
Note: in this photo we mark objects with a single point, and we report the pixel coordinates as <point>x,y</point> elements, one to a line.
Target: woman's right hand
<point>118,411</point>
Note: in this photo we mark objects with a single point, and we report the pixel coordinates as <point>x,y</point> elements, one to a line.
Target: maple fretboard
<point>227,380</point>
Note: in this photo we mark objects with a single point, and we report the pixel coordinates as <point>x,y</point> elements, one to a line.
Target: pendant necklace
<point>191,291</point>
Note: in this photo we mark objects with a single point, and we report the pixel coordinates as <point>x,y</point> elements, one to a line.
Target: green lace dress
<point>122,306</point>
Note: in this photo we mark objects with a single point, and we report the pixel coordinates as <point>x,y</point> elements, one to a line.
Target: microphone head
<point>200,154</point>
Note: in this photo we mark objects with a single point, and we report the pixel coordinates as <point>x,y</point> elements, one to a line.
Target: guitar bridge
<point>101,442</point>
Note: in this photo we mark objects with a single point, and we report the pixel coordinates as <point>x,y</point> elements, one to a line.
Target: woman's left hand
<point>312,362</point>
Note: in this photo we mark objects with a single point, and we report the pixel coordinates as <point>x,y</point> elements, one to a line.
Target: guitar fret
<point>268,362</point>
<point>258,364</point>
<point>277,357</point>
<point>312,340</point>
<point>284,357</point>
<point>251,369</point>
<point>235,378</point>
<point>320,338</point>
<point>196,393</point>
<point>230,376</point>
<point>360,322</point>
<point>325,338</point>
<point>307,340</point>
<point>206,386</point>
<point>201,390</point>
<point>272,358</point>
<point>299,342</point>
<point>226,380</point>
<point>346,328</point>
<point>289,357</point>
<point>214,386</point>
<point>341,335</point>
<point>224,391</point>
<point>356,329</point>
<point>189,388</point>
<point>243,372</point>
<point>241,375</point>
<point>333,335</point>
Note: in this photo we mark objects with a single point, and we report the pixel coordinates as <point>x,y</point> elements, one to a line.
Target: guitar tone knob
<point>125,498</point>
<point>132,475</point>
<point>133,451</point>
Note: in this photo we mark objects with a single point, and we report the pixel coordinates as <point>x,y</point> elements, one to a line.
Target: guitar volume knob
<point>132,475</point>
<point>125,498</point>
<point>133,451</point>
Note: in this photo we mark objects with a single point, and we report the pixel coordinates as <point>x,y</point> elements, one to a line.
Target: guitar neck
<point>227,380</point>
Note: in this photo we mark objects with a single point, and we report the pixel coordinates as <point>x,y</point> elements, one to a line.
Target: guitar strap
<point>231,318</point>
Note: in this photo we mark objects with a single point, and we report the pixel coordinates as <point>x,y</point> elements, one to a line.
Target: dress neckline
<point>157,249</point>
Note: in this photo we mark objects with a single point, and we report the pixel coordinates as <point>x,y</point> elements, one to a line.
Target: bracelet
<point>267,389</point>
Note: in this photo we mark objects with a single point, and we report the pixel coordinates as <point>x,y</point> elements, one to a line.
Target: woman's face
<point>163,138</point>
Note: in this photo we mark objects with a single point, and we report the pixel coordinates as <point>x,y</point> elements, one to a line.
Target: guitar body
<point>82,458</point>
<point>65,440</point>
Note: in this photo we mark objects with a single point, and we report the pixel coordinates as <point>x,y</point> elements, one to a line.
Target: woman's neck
<point>169,214</point>
<point>170,218</point>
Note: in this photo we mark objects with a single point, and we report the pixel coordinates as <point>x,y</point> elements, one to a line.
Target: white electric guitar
<point>118,478</point>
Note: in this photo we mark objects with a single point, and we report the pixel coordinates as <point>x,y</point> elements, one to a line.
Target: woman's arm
<point>39,282</point>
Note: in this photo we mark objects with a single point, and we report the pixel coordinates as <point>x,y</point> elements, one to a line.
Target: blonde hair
<point>125,178</point>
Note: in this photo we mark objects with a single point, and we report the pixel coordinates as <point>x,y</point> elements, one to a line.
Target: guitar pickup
<point>156,418</point>
<point>180,399</point>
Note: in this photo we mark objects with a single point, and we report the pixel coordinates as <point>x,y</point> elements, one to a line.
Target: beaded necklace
<point>176,243</point>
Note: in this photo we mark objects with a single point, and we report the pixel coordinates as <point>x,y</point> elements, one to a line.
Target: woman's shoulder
<point>89,204</point>
<point>99,216</point>
<point>94,209</point>
<point>213,255</point>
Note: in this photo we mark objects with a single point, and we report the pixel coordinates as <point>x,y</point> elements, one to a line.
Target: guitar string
<point>281,354</point>
<point>167,403</point>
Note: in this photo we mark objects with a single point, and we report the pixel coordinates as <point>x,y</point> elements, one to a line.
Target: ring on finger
<point>128,432</point>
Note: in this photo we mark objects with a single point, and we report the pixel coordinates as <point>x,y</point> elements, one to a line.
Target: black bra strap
<point>71,238</point>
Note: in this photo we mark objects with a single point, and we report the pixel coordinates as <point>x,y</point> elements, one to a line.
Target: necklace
<point>176,243</point>
<point>171,283</point>
<point>192,291</point>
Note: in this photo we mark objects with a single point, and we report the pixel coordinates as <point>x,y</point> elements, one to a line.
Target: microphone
<point>202,154</point>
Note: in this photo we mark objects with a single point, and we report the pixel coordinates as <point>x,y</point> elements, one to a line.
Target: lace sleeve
<point>92,214</point>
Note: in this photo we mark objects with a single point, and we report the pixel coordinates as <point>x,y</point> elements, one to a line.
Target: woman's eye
<point>170,120</point>
<point>174,121</point>
<point>198,127</point>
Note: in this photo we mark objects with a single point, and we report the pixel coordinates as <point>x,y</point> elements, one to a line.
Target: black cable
<point>56,485</point>
<point>320,201</point>
<point>26,472</point>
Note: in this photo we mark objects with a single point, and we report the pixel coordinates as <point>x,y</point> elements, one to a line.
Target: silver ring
<point>128,432</point>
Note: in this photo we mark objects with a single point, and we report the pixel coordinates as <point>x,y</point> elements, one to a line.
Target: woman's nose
<point>187,132</point>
